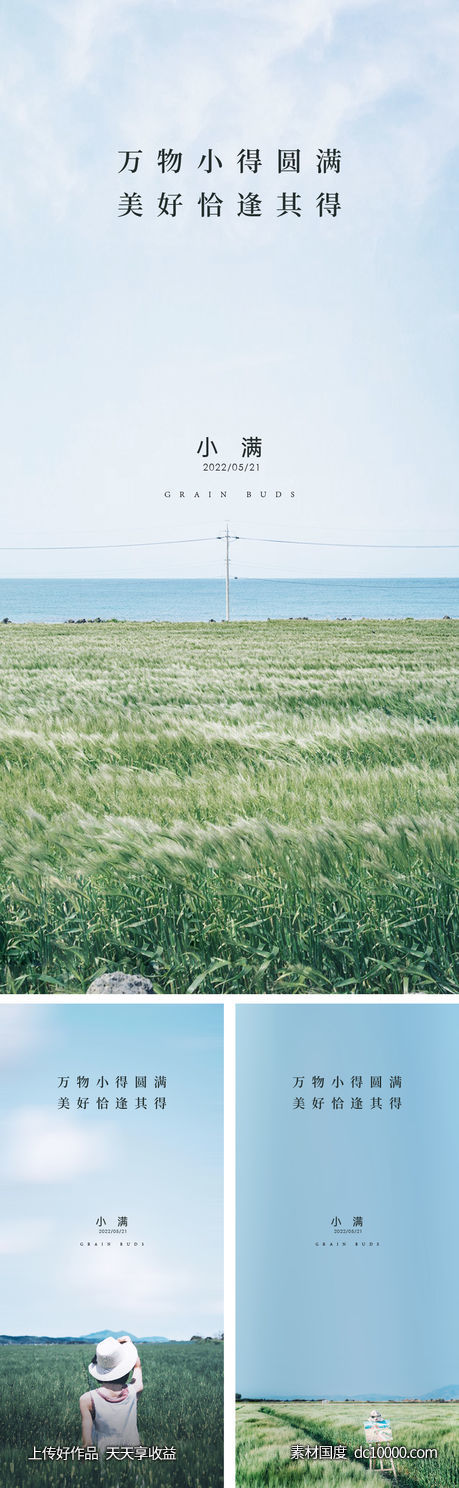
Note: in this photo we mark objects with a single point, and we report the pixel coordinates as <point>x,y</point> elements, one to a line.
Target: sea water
<point>204,599</point>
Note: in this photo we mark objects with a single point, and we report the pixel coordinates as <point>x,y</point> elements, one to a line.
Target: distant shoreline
<point>270,620</point>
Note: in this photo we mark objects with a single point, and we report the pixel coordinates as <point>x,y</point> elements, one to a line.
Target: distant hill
<point>447,1392</point>
<point>90,1338</point>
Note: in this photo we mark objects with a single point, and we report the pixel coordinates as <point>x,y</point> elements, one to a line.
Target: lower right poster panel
<point>347,1244</point>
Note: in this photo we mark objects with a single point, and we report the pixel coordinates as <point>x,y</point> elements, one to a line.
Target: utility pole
<point>227,574</point>
<point>228,537</point>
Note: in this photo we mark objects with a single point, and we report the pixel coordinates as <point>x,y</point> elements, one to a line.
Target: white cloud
<point>121,1287</point>
<point>46,1146</point>
<point>88,27</point>
<point>23,1237</point>
<point>41,158</point>
<point>222,67</point>
<point>20,1031</point>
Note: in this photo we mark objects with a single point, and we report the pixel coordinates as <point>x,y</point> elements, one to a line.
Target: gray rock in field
<point>120,983</point>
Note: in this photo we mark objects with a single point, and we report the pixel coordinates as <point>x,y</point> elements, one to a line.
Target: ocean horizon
<point>57,600</point>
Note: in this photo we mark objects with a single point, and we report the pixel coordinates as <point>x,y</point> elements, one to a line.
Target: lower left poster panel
<point>111,1244</point>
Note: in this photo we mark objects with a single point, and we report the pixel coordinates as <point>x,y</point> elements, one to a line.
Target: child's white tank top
<point>115,1421</point>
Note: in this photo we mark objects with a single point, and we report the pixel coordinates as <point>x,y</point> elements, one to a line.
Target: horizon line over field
<point>432,1397</point>
<point>8,1340</point>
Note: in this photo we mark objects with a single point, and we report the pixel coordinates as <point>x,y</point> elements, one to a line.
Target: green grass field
<point>243,808</point>
<point>266,1431</point>
<point>181,1406</point>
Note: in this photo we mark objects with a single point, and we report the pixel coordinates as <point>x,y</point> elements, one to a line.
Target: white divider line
<point>230,1240</point>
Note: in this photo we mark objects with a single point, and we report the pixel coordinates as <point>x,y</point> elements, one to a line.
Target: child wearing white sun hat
<point>109,1414</point>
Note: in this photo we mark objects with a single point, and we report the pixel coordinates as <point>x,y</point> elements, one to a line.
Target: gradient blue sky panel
<point>346,1319</point>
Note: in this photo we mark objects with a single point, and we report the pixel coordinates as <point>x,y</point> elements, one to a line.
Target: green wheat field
<point>260,807</point>
<point>181,1406</point>
<point>267,1431</point>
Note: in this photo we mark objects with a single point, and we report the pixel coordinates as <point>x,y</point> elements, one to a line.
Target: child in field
<point>109,1414</point>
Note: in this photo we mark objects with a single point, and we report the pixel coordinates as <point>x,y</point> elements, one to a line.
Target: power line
<point>164,542</point>
<point>297,542</point>
<point>300,542</point>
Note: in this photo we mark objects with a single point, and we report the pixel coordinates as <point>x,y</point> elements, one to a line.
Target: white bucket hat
<point>112,1360</point>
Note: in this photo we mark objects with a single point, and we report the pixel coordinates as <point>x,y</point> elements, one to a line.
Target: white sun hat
<point>112,1360</point>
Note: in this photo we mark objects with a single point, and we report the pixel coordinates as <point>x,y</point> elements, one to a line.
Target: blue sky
<point>61,1170</point>
<point>327,1320</point>
<point>125,342</point>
